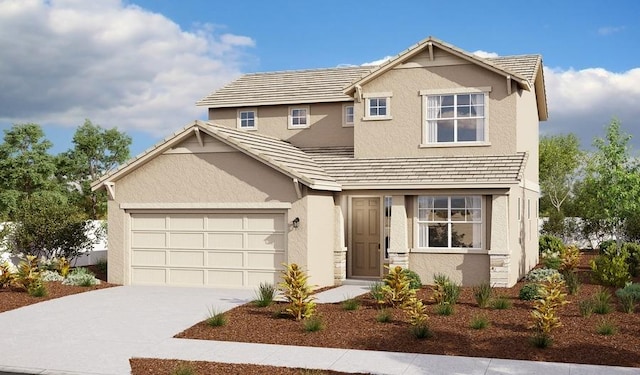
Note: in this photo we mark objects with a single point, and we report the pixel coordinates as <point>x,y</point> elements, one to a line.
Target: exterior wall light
<point>296,223</point>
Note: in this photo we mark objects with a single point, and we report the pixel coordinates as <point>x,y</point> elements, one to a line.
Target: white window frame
<point>449,222</point>
<point>345,117</point>
<point>427,142</point>
<point>239,118</point>
<point>291,117</point>
<point>368,97</point>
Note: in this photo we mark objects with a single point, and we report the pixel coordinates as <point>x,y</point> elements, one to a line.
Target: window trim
<point>450,250</point>
<point>290,124</point>
<point>239,119</point>
<point>377,95</point>
<point>426,143</point>
<point>345,123</point>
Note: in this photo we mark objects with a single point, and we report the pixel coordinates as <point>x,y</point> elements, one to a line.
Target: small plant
<point>482,294</point>
<point>539,275</point>
<point>414,279</point>
<point>418,318</point>
<point>602,301</point>
<point>48,276</point>
<point>569,259</point>
<point>606,327</point>
<point>633,259</point>
<point>350,304</point>
<point>63,266</point>
<point>312,324</point>
<point>529,292</point>
<point>280,313</point>
<point>479,321</point>
<point>216,318</point>
<point>586,307</point>
<point>376,292</point>
<point>7,277</point>
<point>265,295</point>
<point>183,369</point>
<point>545,311</point>
<point>37,289</point>
<point>28,272</point>
<point>444,309</point>
<point>550,249</point>
<point>572,281</point>
<point>102,265</point>
<point>396,288</point>
<point>81,277</point>
<point>384,316</point>
<point>628,297</point>
<point>501,303</point>
<point>297,293</point>
<point>445,290</point>
<point>611,268</point>
<point>421,332</point>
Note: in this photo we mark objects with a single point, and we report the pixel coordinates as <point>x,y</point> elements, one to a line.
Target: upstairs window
<point>247,119</point>
<point>298,117</point>
<point>455,118</point>
<point>348,115</point>
<point>377,106</point>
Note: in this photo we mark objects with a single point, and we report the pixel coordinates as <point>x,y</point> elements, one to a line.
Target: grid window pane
<point>455,118</point>
<point>450,222</point>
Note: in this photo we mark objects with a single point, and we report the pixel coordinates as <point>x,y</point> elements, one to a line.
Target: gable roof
<point>419,172</point>
<point>287,87</point>
<point>273,152</point>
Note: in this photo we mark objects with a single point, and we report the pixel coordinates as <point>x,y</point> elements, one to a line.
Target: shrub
<point>539,275</point>
<point>376,292</point>
<point>63,267</point>
<point>569,259</point>
<point>633,258</point>
<point>629,296</point>
<point>216,318</point>
<point>416,310</point>
<point>445,290</point>
<point>265,295</point>
<point>297,293</point>
<point>421,331</point>
<point>550,248</point>
<point>414,279</point>
<point>312,324</point>
<point>396,288</point>
<point>529,292</point>
<point>610,267</point>
<point>350,304</point>
<point>572,281</point>
<point>479,322</point>
<point>482,294</point>
<point>37,289</point>
<point>606,327</point>
<point>501,303</point>
<point>602,301</point>
<point>383,316</point>
<point>444,308</point>
<point>28,272</point>
<point>545,311</point>
<point>586,307</point>
<point>81,277</point>
<point>6,275</point>
<point>48,275</point>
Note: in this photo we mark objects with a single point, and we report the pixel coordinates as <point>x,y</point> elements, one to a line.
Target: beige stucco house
<point>428,161</point>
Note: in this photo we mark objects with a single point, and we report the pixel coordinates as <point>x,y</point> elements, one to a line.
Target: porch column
<point>499,254</point>
<point>340,243</point>
<point>398,245</point>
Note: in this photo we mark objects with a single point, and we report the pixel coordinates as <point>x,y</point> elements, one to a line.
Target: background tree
<point>96,151</point>
<point>25,166</point>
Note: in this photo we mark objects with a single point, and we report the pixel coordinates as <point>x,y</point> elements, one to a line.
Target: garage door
<point>229,249</point>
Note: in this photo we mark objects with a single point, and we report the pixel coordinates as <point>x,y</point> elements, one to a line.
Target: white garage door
<point>230,249</point>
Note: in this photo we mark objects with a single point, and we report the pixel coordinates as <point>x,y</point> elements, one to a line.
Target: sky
<point>140,65</point>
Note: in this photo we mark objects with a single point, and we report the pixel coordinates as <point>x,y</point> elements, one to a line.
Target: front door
<point>365,258</point>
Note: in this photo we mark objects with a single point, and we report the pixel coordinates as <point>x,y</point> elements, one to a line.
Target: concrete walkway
<point>97,332</point>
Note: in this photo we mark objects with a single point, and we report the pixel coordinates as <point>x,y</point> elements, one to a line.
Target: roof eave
<point>430,185</point>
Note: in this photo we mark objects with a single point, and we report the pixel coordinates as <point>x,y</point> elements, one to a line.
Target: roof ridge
<point>355,67</point>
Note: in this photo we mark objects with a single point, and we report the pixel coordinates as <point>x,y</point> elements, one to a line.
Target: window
<point>247,119</point>
<point>298,117</point>
<point>378,106</point>
<point>387,225</point>
<point>347,115</point>
<point>455,118</point>
<point>450,222</point>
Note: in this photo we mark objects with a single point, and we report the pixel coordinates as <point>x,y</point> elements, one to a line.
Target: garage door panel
<point>186,277</point>
<point>148,276</point>
<point>186,258</point>
<point>225,222</point>
<point>264,222</point>
<point>148,240</point>
<point>226,241</point>
<point>149,221</point>
<point>186,240</point>
<point>190,222</point>
<point>265,260</point>
<point>149,258</point>
<point>255,278</point>
<point>265,241</point>
<point>226,278</point>
<point>226,259</point>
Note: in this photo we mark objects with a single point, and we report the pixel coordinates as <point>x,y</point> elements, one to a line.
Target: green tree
<point>611,188</point>
<point>96,151</point>
<point>25,166</point>
<point>560,157</point>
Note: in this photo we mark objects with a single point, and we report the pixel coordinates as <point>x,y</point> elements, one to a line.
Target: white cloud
<point>378,62</point>
<point>608,30</point>
<point>584,101</point>
<point>484,54</point>
<point>119,65</point>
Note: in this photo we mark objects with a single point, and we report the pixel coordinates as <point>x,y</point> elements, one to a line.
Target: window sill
<point>449,251</point>
<point>378,118</point>
<point>347,125</point>
<point>292,127</point>
<point>455,144</point>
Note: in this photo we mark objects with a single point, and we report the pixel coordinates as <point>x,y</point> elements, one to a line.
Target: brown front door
<point>365,258</point>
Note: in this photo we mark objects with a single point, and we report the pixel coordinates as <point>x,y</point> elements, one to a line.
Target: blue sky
<point>140,65</point>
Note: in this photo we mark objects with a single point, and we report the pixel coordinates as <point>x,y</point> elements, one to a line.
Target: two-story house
<point>428,161</point>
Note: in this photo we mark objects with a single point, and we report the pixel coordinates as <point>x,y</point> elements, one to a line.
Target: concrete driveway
<point>97,332</point>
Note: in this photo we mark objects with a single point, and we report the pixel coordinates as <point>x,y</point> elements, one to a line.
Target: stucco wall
<point>319,224</point>
<point>326,124</point>
<point>402,135</point>
<point>466,269</point>
<point>528,132</point>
